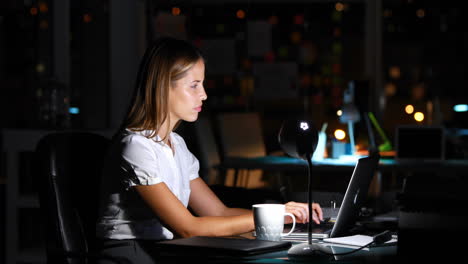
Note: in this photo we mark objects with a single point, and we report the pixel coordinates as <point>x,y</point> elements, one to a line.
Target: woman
<point>151,178</point>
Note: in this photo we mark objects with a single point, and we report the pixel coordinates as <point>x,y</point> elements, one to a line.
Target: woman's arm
<point>204,202</point>
<point>180,220</point>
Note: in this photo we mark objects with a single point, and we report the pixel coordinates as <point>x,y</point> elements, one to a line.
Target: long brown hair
<point>165,62</point>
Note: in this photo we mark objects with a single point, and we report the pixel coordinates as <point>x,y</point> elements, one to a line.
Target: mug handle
<point>293,226</point>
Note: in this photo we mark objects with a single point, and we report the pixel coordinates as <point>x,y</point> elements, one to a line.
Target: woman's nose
<point>203,95</point>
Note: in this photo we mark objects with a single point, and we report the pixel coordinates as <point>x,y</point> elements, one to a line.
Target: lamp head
<point>298,138</point>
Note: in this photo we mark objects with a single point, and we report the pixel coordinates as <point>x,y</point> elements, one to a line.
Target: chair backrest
<point>241,134</point>
<point>69,167</point>
<point>207,148</point>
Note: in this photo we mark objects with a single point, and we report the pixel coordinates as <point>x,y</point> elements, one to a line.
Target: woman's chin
<point>191,118</point>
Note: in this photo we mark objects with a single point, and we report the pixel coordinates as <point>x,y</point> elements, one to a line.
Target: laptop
<point>353,200</point>
<point>420,143</point>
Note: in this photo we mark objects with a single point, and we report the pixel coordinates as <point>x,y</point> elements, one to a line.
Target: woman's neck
<point>165,131</point>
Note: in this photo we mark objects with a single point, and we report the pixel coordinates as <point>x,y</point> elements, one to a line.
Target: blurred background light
<point>419,116</point>
<point>74,110</point>
<point>409,109</point>
<point>339,134</point>
<point>460,108</point>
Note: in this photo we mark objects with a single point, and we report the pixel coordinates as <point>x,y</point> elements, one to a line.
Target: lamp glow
<point>339,134</point>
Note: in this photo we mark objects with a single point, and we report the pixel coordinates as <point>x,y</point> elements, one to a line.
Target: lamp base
<point>308,251</point>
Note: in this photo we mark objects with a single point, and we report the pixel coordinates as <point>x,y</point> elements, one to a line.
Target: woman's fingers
<point>298,210</point>
<point>316,207</point>
<point>301,212</point>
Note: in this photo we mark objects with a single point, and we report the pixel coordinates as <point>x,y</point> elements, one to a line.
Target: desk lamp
<point>350,113</point>
<point>298,138</point>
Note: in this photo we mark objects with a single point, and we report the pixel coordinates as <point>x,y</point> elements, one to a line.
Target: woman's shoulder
<point>178,139</point>
<point>128,136</point>
<point>177,136</point>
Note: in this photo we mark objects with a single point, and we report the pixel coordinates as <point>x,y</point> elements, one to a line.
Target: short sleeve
<point>194,167</point>
<point>140,161</point>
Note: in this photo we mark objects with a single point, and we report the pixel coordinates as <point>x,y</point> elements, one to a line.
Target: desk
<point>383,254</point>
<point>285,164</point>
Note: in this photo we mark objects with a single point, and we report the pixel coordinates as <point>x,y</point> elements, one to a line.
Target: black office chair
<point>69,166</point>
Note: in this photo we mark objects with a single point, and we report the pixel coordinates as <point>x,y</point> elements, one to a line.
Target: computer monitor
<point>419,142</point>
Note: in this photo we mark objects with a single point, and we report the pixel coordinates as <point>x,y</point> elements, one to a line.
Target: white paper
<point>356,240</point>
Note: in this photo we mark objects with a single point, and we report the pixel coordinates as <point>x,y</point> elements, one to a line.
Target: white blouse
<point>137,160</point>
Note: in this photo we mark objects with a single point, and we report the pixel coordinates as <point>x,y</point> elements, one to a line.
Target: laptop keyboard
<point>331,213</point>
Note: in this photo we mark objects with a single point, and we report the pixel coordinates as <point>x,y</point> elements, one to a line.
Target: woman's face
<point>187,95</point>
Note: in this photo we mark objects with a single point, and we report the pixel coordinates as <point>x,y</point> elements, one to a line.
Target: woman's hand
<point>301,212</point>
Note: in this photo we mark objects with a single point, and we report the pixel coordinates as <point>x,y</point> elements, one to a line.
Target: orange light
<point>394,72</point>
<point>339,7</point>
<point>87,18</point>
<point>240,14</point>
<point>33,11</point>
<point>296,37</point>
<point>420,13</point>
<point>390,89</point>
<point>43,8</point>
<point>409,109</point>
<point>43,24</point>
<point>273,20</point>
<point>175,11</point>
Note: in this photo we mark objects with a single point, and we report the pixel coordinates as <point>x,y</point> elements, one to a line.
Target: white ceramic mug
<point>269,221</point>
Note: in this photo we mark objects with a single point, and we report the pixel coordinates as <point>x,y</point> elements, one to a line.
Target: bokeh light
<point>340,134</point>
<point>419,116</point>
<point>409,109</point>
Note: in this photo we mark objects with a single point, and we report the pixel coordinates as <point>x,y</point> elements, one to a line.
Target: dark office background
<point>71,64</point>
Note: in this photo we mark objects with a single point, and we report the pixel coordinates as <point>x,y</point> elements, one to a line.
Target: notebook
<point>353,200</point>
<point>220,246</point>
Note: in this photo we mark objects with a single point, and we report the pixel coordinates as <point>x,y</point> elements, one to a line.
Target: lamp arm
<point>377,126</point>
<point>309,198</point>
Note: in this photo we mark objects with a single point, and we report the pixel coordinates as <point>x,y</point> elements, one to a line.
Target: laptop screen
<point>355,195</point>
<point>420,143</point>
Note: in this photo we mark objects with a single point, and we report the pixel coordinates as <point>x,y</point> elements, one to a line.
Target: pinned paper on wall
<point>166,24</point>
<point>220,55</point>
<point>276,80</point>
<point>258,38</point>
